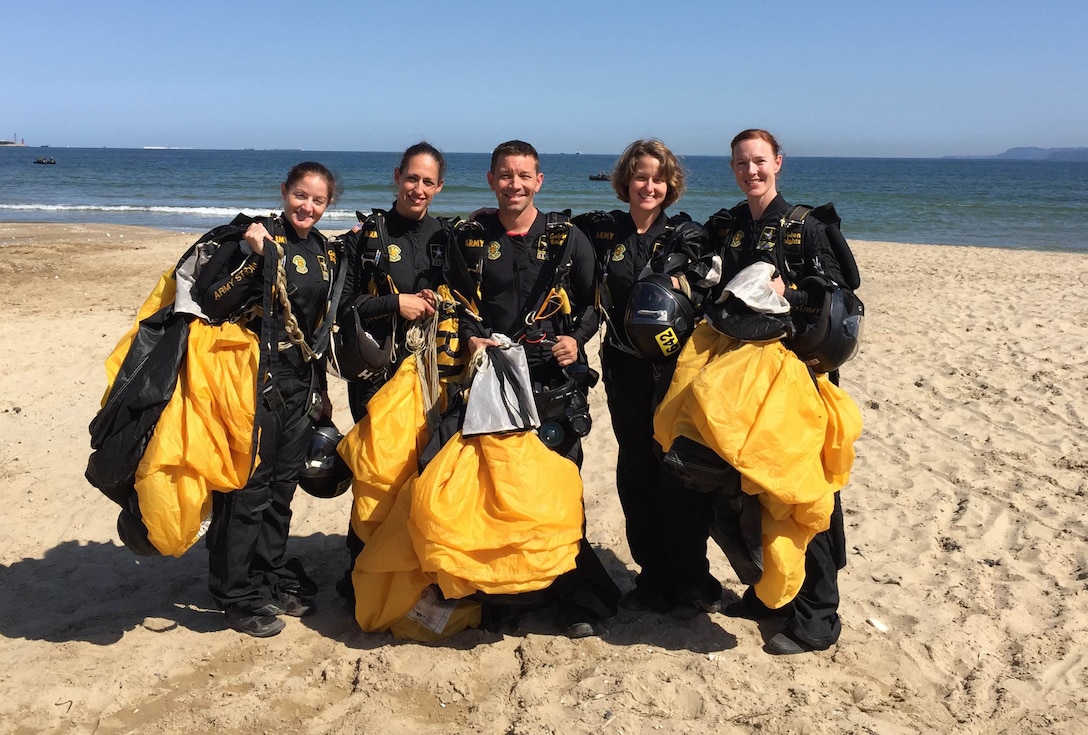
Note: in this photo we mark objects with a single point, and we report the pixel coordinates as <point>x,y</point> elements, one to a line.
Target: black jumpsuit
<point>247,539</point>
<point>413,262</point>
<point>812,617</point>
<point>630,383</point>
<point>512,272</point>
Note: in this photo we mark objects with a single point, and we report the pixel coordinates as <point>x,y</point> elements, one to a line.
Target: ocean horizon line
<point>786,154</point>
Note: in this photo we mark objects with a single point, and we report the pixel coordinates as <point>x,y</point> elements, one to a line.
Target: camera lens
<point>551,434</point>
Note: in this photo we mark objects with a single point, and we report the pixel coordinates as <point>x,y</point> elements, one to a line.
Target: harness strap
<point>290,322</point>
<point>555,241</point>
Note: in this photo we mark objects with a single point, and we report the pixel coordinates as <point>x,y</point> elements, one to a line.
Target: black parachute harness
<point>832,334</point>
<point>563,408</point>
<point>290,322</point>
<point>550,301</point>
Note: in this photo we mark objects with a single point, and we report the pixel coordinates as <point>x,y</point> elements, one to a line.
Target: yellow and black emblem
<point>618,253</point>
<point>667,341</point>
<point>738,237</point>
<point>300,264</point>
<point>324,267</point>
<point>493,251</point>
<point>393,251</point>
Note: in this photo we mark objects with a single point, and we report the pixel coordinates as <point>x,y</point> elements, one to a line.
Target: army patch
<point>542,250</point>
<point>300,264</point>
<point>324,267</point>
<point>493,250</point>
<point>393,251</point>
<point>619,253</point>
<point>793,238</point>
<point>738,237</point>
<point>332,256</point>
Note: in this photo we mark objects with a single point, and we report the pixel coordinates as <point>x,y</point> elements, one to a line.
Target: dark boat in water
<point>600,176</point>
<point>44,160</point>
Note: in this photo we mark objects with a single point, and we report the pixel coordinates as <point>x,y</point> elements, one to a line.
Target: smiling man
<point>533,277</point>
<point>529,261</point>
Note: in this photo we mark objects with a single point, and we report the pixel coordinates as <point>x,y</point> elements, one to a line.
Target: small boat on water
<point>44,160</point>
<point>600,176</point>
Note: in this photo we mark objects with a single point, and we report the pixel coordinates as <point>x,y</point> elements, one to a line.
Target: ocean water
<point>995,203</point>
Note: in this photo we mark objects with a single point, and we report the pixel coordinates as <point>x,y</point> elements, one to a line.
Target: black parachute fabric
<point>144,384</point>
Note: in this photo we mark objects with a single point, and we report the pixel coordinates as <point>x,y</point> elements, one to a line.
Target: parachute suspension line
<point>290,323</point>
<point>421,339</point>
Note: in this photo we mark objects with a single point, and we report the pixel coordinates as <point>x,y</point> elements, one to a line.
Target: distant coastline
<point>1031,153</point>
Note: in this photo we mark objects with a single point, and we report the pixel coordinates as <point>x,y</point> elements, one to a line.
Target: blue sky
<point>836,78</point>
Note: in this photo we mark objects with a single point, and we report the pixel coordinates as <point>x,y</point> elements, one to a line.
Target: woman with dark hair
<point>395,260</point>
<point>648,178</point>
<point>250,576</point>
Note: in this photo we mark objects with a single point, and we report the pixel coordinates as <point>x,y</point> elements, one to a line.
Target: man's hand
<point>565,350</point>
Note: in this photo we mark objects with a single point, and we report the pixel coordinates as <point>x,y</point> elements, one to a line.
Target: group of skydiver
<point>722,431</point>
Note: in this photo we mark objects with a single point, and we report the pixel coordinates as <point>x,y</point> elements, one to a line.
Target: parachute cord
<point>421,338</point>
<point>290,323</point>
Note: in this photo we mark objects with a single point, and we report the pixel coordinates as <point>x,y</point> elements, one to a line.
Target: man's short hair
<point>514,148</point>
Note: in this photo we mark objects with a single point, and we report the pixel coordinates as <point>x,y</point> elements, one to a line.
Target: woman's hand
<point>255,235</point>
<point>430,297</point>
<point>413,306</point>
<point>565,350</point>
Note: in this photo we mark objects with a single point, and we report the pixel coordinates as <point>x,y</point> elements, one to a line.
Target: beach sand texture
<point>964,601</point>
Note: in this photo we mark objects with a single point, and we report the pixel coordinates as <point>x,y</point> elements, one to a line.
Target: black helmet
<point>828,334</point>
<point>325,474</point>
<point>659,318</point>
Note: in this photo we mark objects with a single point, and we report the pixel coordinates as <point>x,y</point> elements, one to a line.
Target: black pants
<point>630,384</point>
<point>247,539</point>
<point>687,518</point>
<point>813,614</point>
<point>814,618</point>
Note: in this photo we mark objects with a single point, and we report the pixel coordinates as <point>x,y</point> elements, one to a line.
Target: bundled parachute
<point>495,513</point>
<point>178,414</point>
<point>789,434</point>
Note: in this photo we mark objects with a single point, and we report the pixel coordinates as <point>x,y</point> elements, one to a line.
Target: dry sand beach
<point>965,602</point>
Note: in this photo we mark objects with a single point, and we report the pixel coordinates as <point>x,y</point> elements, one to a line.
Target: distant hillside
<point>1044,154</point>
